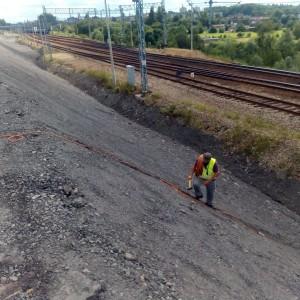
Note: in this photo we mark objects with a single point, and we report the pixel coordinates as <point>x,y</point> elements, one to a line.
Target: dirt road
<point>76,222</point>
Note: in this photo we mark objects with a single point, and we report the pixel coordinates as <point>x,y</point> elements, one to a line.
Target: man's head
<point>207,157</point>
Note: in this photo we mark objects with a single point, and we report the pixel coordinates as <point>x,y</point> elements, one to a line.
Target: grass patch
<point>271,144</point>
<point>249,141</point>
<point>232,115</point>
<point>105,79</point>
<point>125,88</point>
<point>178,111</point>
<point>101,76</point>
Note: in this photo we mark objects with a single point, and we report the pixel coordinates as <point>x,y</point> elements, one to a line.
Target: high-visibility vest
<point>208,171</point>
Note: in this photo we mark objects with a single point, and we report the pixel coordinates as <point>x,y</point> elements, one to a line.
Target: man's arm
<point>193,169</point>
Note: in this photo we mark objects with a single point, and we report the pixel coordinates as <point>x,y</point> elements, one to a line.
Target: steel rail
<point>268,71</point>
<point>254,99</point>
<point>289,87</point>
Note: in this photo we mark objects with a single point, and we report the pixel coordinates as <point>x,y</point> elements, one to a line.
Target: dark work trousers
<point>210,189</point>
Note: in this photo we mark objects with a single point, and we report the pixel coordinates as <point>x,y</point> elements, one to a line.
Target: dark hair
<point>207,156</point>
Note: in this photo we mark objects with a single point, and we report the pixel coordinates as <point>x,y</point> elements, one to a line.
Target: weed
<point>102,76</point>
<point>232,115</point>
<point>125,88</point>
<point>155,96</point>
<point>250,142</point>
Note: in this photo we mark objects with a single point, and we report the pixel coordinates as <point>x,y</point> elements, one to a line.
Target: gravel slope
<point>78,224</point>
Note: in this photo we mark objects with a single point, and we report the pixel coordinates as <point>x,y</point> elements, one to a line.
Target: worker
<point>205,172</point>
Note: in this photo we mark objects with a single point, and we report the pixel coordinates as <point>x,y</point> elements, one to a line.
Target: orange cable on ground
<point>176,188</point>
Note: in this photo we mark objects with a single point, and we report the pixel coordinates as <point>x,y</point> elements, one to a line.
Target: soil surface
<point>280,188</point>
<point>82,217</point>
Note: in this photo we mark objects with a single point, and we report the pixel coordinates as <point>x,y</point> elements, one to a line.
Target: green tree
<point>280,65</point>
<point>296,63</point>
<point>267,49</point>
<point>182,40</point>
<point>265,26</point>
<point>255,60</point>
<point>277,15</point>
<point>159,15</point>
<point>240,28</point>
<point>51,20</point>
<point>149,36</point>
<point>296,30</point>
<point>289,62</point>
<point>97,35</point>
<point>2,22</point>
<point>151,18</point>
<point>198,42</point>
<point>286,44</point>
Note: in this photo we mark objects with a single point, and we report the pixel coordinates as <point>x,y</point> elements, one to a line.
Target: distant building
<point>219,26</point>
<point>255,20</point>
<point>72,20</point>
<point>218,14</point>
<point>183,10</point>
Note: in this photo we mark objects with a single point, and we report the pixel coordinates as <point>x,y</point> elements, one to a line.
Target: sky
<point>21,10</point>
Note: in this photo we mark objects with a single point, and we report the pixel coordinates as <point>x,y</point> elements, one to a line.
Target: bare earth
<point>76,223</point>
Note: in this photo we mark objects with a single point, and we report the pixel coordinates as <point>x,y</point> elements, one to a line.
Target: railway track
<point>180,74</point>
<point>283,86</point>
<point>256,72</point>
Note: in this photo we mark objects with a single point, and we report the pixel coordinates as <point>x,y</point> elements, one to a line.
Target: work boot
<point>199,197</point>
<point>210,205</point>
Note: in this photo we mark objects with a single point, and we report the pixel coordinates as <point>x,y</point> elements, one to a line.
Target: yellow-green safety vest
<point>208,171</point>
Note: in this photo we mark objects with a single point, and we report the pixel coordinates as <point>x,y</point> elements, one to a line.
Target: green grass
<point>246,36</point>
<point>106,80</point>
<point>250,135</point>
<point>101,76</point>
<point>253,143</point>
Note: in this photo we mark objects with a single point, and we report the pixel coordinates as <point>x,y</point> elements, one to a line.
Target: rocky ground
<point>78,222</point>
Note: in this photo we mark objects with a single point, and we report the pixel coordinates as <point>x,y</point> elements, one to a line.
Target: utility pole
<point>122,16</point>
<point>165,35</point>
<point>211,2</point>
<point>77,22</point>
<point>142,51</point>
<point>210,13</point>
<point>42,41</point>
<point>131,32</point>
<point>46,28</point>
<point>89,24</point>
<point>192,24</point>
<point>114,81</point>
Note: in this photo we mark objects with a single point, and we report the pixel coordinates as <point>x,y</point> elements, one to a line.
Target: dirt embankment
<point>269,137</point>
<point>283,190</point>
